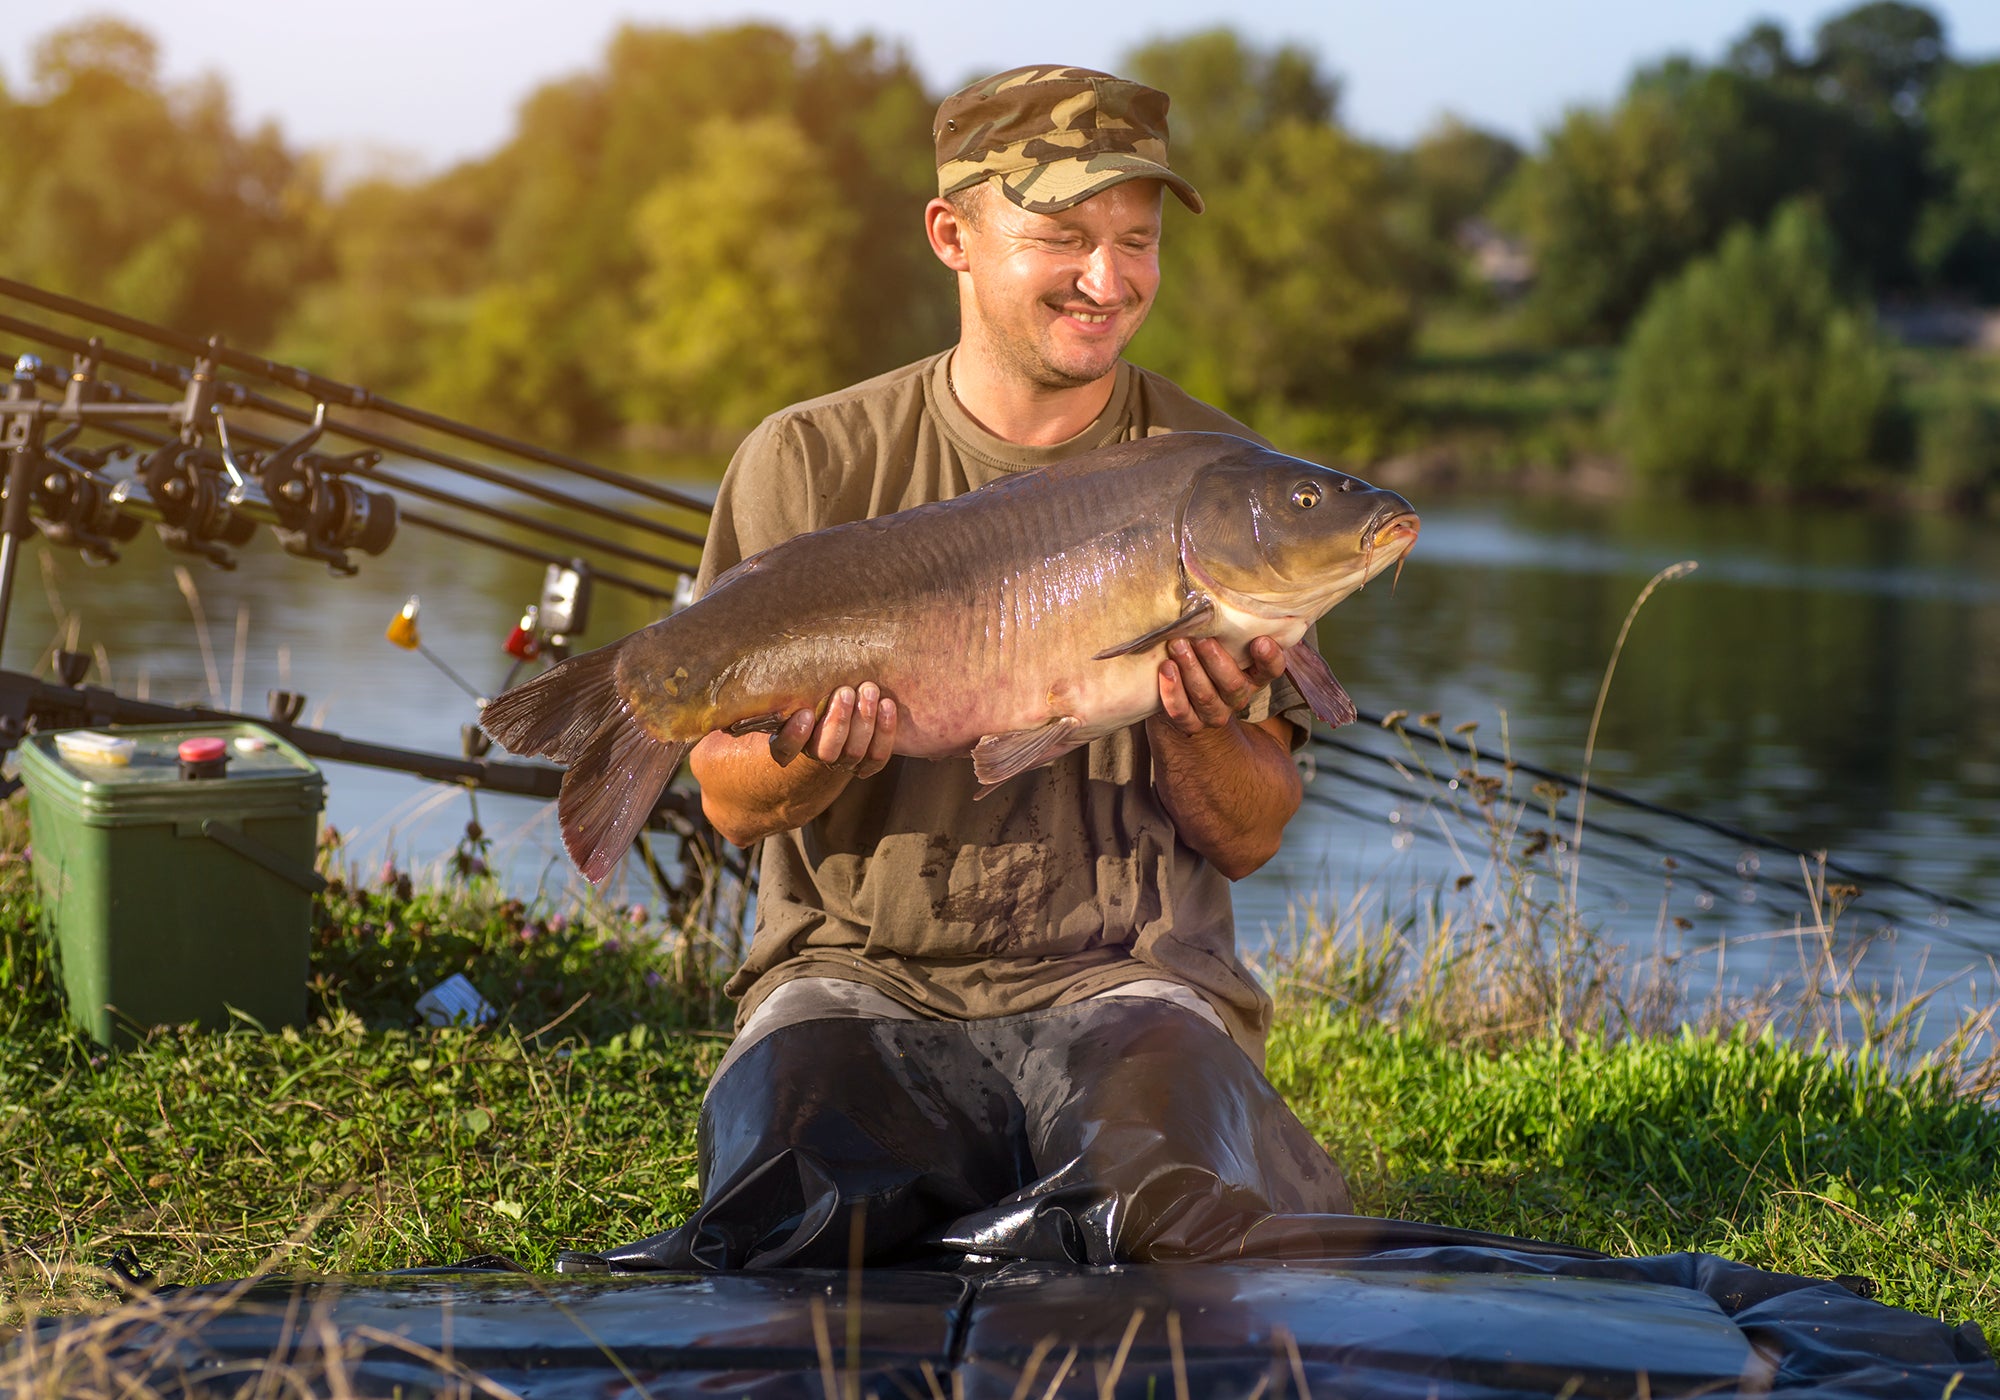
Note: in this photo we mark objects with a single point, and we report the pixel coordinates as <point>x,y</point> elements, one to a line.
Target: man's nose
<point>1100,279</point>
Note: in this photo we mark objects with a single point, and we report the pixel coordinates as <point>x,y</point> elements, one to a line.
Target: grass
<point>1481,1060</point>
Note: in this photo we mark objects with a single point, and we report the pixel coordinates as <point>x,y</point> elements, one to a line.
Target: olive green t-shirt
<point>1063,883</point>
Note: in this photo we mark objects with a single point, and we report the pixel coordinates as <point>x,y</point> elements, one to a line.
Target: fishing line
<point>1734,833</point>
<point>1898,919</point>
<point>1425,833</point>
<point>1479,822</point>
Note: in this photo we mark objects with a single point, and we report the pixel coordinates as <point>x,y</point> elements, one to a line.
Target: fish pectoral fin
<point>998,757</point>
<point>1198,611</point>
<point>1309,673</point>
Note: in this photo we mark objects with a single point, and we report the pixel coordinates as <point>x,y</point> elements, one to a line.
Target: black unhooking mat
<point>989,1174</point>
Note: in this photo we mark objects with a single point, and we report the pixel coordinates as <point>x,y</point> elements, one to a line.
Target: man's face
<point>1058,296</point>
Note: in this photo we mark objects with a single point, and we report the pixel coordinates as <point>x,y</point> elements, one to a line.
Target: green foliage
<point>1882,56</point>
<point>1959,241</point>
<point>1750,369</point>
<point>1288,297</point>
<point>1456,171</point>
<point>740,316</point>
<point>404,257</point>
<point>1613,202</point>
<point>1228,95</point>
<point>1958,444</point>
<point>529,290</point>
<point>119,190</point>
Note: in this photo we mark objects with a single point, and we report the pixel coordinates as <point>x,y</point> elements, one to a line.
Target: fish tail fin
<point>574,713</point>
<point>556,714</point>
<point>610,790</point>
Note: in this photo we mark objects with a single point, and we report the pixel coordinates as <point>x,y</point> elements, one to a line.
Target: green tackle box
<point>171,898</point>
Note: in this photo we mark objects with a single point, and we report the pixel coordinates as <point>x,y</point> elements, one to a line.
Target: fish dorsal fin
<point>1323,693</point>
<point>1198,611</point>
<point>998,757</point>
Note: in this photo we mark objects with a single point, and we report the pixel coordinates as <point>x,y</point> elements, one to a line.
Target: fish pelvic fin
<point>998,757</point>
<point>610,790</point>
<point>576,714</point>
<point>1198,611</point>
<point>1308,670</point>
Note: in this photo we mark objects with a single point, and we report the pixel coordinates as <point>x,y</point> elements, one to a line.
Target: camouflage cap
<point>1054,137</point>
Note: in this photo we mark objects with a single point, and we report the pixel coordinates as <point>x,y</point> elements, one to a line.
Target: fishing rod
<point>347,395</point>
<point>562,534</point>
<point>91,353</point>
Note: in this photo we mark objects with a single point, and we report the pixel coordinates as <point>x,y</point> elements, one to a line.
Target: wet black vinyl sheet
<point>1431,1323</point>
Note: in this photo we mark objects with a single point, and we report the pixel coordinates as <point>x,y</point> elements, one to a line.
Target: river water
<point>1829,679</point>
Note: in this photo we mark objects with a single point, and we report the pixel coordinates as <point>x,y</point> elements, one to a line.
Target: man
<point>1084,905</point>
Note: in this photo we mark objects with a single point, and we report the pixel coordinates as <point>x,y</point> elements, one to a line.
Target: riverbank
<point>1499,1080</point>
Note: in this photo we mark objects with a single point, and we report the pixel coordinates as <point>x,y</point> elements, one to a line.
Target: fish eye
<point>1306,495</point>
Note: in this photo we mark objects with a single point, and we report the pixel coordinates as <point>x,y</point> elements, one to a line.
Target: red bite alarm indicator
<point>524,643</point>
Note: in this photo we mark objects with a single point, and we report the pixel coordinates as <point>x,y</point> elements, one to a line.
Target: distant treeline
<point>711,223</point>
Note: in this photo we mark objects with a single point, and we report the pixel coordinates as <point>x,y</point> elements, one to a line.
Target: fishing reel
<point>181,489</point>
<point>306,499</point>
<point>73,504</point>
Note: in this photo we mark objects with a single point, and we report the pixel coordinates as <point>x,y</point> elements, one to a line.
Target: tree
<point>1227,95</point>
<point>1287,298</point>
<point>405,257</point>
<point>526,268</point>
<point>1751,369</point>
<point>1617,200</point>
<point>1880,57</point>
<point>1959,241</point>
<point>1455,171</point>
<point>120,190</point>
<point>1613,202</point>
<point>740,315</point>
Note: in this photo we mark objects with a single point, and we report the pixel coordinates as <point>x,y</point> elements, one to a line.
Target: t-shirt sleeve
<point>765,499</point>
<point>1281,697</point>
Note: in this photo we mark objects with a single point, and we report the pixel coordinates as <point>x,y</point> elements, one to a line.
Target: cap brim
<point>1056,185</point>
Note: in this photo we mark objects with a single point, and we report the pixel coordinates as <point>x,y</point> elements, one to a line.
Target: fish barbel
<point>1014,623</point>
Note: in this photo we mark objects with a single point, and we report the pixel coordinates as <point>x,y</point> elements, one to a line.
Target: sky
<point>424,83</point>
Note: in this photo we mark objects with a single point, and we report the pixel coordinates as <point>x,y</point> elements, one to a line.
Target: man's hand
<point>1202,688</point>
<point>753,787</point>
<point>1230,786</point>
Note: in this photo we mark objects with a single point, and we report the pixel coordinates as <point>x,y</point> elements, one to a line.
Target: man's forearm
<point>1230,789</point>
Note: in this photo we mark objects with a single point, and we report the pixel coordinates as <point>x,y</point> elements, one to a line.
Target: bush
<point>1958,445</point>
<point>1751,369</point>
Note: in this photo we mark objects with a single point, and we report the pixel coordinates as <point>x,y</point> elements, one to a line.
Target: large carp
<point>1014,623</point>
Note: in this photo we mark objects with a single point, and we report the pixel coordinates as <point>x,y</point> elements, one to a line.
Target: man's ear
<point>947,232</point>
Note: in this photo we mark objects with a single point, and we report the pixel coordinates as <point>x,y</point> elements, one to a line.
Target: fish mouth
<point>1389,539</point>
<point>1400,529</point>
